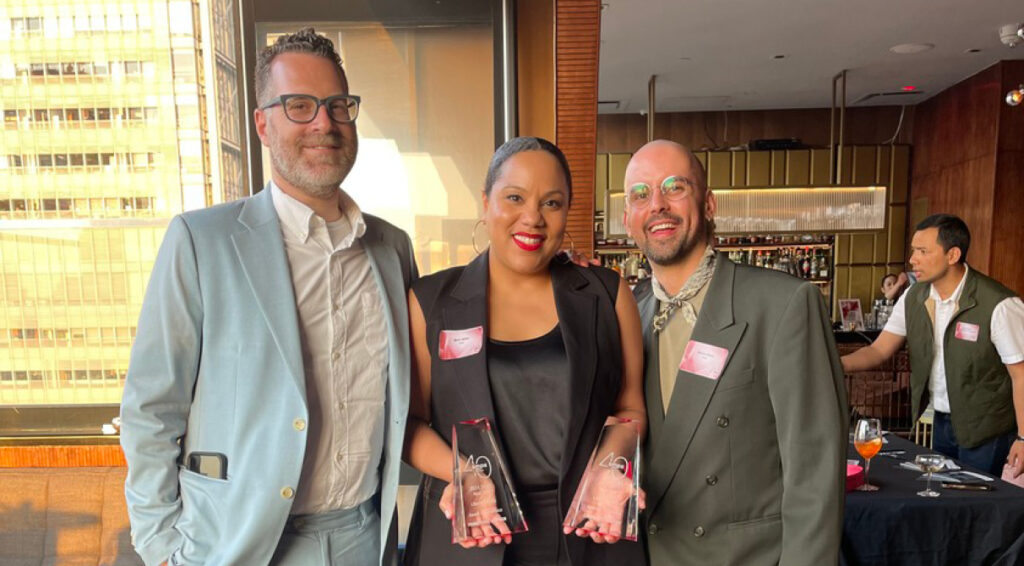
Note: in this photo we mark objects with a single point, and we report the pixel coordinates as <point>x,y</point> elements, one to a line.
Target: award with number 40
<point>607,499</point>
<point>485,503</point>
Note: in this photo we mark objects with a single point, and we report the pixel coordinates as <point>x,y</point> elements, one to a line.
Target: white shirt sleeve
<point>897,323</point>
<point>1008,330</point>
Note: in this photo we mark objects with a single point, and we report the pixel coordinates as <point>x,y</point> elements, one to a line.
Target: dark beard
<point>680,251</point>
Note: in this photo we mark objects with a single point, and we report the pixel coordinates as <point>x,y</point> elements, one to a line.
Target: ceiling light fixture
<point>1011,34</point>
<point>1015,96</point>
<point>910,48</point>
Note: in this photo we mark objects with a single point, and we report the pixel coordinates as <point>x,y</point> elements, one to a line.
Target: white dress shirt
<point>1006,332</point>
<point>344,354</point>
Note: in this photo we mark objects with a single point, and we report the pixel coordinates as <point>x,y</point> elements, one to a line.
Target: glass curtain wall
<point>117,116</point>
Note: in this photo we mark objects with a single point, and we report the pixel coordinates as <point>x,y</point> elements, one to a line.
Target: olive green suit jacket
<point>748,469</point>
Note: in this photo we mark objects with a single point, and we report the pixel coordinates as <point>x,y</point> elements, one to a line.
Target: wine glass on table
<point>867,439</point>
<point>929,463</point>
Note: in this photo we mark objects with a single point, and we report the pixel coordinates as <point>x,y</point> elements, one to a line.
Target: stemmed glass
<point>867,439</point>
<point>929,463</point>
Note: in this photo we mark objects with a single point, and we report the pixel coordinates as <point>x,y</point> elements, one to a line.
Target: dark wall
<point>968,159</point>
<point>624,133</point>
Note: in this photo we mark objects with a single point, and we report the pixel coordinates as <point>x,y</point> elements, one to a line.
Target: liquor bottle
<point>824,265</point>
<point>805,265</point>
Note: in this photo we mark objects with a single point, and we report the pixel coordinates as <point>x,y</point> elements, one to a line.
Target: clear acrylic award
<point>484,499</point>
<point>607,499</point>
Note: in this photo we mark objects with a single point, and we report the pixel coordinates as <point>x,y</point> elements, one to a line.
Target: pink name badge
<point>967,331</point>
<point>703,359</point>
<point>455,344</point>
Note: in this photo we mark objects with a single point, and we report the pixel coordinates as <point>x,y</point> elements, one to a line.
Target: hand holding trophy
<point>607,503</point>
<point>480,501</point>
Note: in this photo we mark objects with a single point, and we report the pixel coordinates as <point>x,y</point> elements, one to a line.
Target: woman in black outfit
<point>553,350</point>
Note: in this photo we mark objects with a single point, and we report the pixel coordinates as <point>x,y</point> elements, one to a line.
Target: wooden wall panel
<point>739,169</point>
<point>798,167</point>
<point>535,67</point>
<point>954,156</point>
<point>60,456</point>
<point>1008,228</point>
<point>719,170</point>
<point>577,43</point>
<point>1007,225</point>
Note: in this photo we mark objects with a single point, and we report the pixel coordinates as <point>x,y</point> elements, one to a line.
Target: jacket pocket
<point>735,380</point>
<point>200,521</point>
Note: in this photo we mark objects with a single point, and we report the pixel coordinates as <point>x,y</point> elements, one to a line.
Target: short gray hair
<point>303,41</point>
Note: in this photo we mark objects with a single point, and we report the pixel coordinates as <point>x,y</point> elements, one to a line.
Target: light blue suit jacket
<point>217,367</point>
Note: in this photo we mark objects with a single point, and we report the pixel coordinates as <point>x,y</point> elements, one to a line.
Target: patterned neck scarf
<point>693,285</point>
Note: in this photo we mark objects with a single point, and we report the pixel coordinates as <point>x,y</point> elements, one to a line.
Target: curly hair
<point>303,41</point>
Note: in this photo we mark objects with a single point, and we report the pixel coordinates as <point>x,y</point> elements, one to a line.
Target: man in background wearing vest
<point>966,339</point>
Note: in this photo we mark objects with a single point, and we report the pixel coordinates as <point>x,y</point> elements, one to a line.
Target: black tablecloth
<point>896,526</point>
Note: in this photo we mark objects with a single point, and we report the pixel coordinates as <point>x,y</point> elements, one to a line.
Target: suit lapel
<point>387,272</point>
<point>260,250</point>
<point>469,310</point>
<point>715,326</point>
<point>648,306</point>
<point>577,316</point>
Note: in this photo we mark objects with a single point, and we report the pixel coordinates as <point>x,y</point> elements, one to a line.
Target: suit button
<point>299,424</point>
<point>722,421</point>
<point>698,532</point>
<point>287,492</point>
<point>712,479</point>
<point>653,529</point>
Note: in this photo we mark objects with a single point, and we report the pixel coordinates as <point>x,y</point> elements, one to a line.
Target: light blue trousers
<point>350,537</point>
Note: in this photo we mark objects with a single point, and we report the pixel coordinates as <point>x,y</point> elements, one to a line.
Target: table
<point>895,526</point>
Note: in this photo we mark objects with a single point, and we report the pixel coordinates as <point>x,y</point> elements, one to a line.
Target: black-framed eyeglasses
<point>303,108</point>
<point>673,188</point>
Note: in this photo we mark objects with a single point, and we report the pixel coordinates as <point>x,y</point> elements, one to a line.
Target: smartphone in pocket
<point>209,464</point>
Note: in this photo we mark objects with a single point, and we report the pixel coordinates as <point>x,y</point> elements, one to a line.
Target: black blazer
<point>456,299</point>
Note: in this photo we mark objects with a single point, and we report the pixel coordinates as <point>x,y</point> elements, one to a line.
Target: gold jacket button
<point>722,421</point>
<point>299,424</point>
<point>698,532</point>
<point>287,492</point>
<point>653,529</point>
<point>712,479</point>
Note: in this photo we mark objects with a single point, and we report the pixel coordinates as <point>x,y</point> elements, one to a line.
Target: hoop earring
<point>572,244</point>
<point>472,236</point>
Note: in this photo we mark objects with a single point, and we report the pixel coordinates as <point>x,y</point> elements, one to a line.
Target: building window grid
<point>49,198</point>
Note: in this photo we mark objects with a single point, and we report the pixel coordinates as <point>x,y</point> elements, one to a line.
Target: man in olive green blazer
<point>745,394</point>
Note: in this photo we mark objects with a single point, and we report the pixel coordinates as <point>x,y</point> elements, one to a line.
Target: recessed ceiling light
<point>908,48</point>
<point>778,56</point>
<point>973,50</point>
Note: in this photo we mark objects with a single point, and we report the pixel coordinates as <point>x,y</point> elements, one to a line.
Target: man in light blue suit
<point>265,404</point>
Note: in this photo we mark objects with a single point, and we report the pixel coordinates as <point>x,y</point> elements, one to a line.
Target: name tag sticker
<point>703,359</point>
<point>967,331</point>
<point>455,344</point>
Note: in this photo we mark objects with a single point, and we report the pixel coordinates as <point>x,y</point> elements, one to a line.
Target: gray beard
<point>317,186</point>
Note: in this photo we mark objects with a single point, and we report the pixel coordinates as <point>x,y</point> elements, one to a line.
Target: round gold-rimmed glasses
<point>673,188</point>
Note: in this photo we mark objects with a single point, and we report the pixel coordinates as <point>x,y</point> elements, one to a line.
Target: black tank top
<point>530,390</point>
